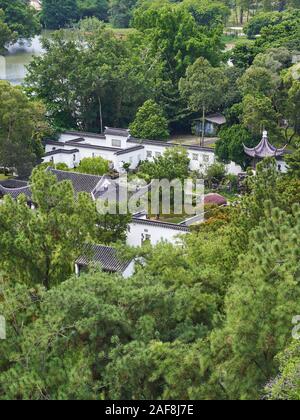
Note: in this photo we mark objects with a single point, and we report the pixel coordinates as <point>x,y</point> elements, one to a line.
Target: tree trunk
<point>203,126</point>
<point>100,114</point>
<point>242,16</point>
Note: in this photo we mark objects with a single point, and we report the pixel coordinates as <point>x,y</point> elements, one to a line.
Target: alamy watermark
<point>160,196</point>
<point>2,328</point>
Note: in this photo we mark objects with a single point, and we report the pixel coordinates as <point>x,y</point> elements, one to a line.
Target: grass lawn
<point>120,32</point>
<point>169,218</point>
<point>3,177</point>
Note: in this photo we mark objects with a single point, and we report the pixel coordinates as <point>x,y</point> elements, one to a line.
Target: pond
<point>13,63</point>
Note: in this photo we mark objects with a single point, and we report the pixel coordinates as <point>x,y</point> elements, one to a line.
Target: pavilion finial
<point>265,134</point>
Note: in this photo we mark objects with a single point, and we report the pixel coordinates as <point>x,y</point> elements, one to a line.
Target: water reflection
<point>13,63</point>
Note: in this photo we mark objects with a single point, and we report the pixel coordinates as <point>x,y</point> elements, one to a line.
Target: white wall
<point>123,141</point>
<point>63,158</point>
<point>84,152</point>
<point>95,141</point>
<point>88,152</point>
<point>158,234</point>
<point>133,158</point>
<point>129,271</point>
<point>200,160</point>
<point>283,166</point>
<point>233,169</point>
<point>204,159</point>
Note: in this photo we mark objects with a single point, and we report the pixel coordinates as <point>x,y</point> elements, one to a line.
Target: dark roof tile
<point>61,151</point>
<point>121,132</point>
<point>81,182</point>
<point>107,257</point>
<point>164,225</point>
<point>166,144</point>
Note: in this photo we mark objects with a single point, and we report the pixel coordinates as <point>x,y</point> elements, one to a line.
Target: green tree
<point>93,166</point>
<point>17,21</point>
<point>293,106</point>
<point>230,146</point>
<point>46,241</point>
<point>260,21</point>
<point>56,14</point>
<point>5,32</point>
<point>293,162</point>
<point>215,174</point>
<point>258,80</point>
<point>111,228</point>
<point>203,88</point>
<point>120,12</point>
<point>259,114</point>
<point>150,122</point>
<point>172,32</point>
<point>89,88</point>
<point>22,127</point>
<point>173,164</point>
<point>85,333</point>
<point>260,307</point>
<point>286,385</point>
<point>93,8</point>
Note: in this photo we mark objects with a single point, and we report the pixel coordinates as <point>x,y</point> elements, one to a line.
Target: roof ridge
<point>75,173</point>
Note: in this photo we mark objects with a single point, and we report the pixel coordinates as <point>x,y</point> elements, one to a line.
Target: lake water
<point>13,63</point>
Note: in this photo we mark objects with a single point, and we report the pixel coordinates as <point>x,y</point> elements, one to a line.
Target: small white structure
<point>118,147</point>
<point>141,230</point>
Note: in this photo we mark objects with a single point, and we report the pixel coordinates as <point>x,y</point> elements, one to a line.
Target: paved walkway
<point>193,140</point>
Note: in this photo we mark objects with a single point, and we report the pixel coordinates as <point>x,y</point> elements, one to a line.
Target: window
<point>195,157</point>
<point>205,158</point>
<point>116,143</point>
<point>53,148</point>
<point>146,238</point>
<point>149,154</point>
<point>74,158</point>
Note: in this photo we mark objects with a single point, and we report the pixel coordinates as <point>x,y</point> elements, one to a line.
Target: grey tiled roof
<point>107,257</point>
<point>218,119</point>
<point>264,149</point>
<point>130,149</point>
<point>13,183</point>
<point>164,225</point>
<point>166,144</point>
<point>61,151</point>
<point>81,182</point>
<point>91,146</point>
<point>85,134</point>
<point>53,142</point>
<point>79,140</point>
<point>122,132</point>
<point>15,192</point>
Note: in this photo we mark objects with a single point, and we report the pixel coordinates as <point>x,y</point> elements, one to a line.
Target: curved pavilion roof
<point>264,149</point>
<point>16,192</point>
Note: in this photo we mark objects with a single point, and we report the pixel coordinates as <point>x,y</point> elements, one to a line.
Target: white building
<point>142,230</point>
<point>118,147</point>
